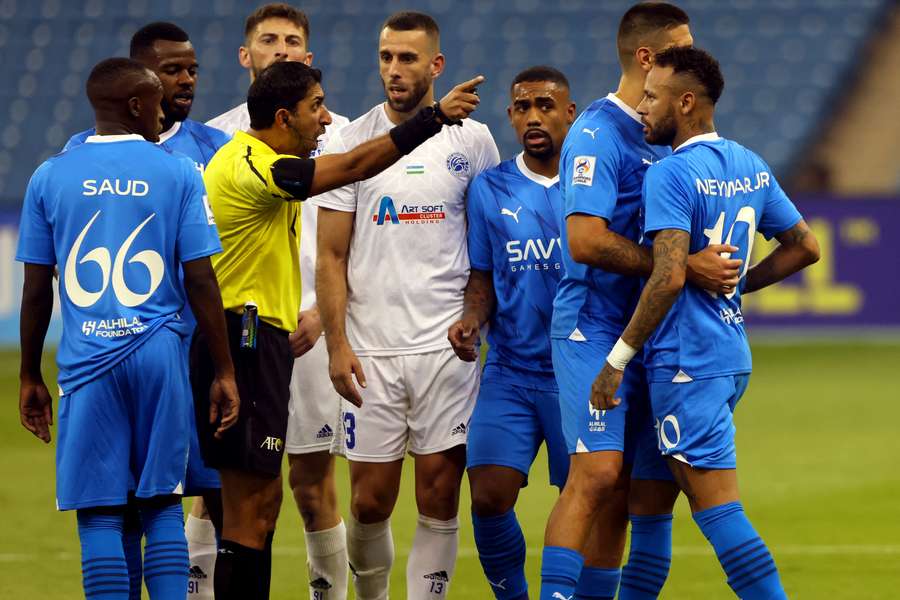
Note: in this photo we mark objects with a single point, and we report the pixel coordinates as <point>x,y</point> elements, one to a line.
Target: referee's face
<point>307,122</point>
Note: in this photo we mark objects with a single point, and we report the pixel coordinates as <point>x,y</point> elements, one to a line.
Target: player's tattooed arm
<point>334,231</point>
<point>670,254</point>
<point>592,242</point>
<point>798,248</point>
<point>205,299</point>
<point>478,304</point>
<point>35,403</point>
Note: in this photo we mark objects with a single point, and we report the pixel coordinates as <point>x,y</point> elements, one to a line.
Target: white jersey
<point>238,119</point>
<point>409,261</point>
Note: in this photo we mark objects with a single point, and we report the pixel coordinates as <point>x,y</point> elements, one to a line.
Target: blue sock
<point>649,557</point>
<point>751,571</point>
<point>131,542</point>
<point>560,568</point>
<point>166,553</point>
<point>595,583</point>
<point>103,567</point>
<point>501,550</point>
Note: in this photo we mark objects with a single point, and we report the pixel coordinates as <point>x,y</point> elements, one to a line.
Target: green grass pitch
<point>819,446</point>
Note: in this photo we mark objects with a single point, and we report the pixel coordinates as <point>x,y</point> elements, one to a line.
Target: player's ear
<point>244,57</point>
<point>571,113</point>
<point>686,102</point>
<point>134,106</point>
<point>308,60</point>
<point>437,65</point>
<point>643,56</point>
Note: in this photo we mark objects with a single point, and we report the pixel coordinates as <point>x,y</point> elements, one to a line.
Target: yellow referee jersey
<point>260,231</point>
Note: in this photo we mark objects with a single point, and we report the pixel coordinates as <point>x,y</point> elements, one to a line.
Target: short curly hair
<point>697,63</point>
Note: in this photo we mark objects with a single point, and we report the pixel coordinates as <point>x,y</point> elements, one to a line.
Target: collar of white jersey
<point>703,137</point>
<point>108,139</point>
<point>164,137</point>
<point>625,108</point>
<point>535,177</point>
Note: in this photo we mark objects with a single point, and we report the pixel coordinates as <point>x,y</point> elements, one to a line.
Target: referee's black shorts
<point>256,442</point>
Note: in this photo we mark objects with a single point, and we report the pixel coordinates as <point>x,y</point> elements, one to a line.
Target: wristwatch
<point>441,117</point>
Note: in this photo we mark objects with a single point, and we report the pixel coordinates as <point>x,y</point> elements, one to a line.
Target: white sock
<point>432,558</point>
<point>326,553</point>
<point>201,538</point>
<point>370,548</point>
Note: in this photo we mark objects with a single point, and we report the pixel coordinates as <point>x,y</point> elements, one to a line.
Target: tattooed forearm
<point>670,252</point>
<point>478,300</point>
<point>621,255</point>
<point>798,248</point>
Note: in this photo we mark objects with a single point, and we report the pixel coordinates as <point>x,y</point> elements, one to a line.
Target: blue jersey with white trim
<point>719,192</point>
<point>601,171</point>
<point>117,215</point>
<point>514,216</point>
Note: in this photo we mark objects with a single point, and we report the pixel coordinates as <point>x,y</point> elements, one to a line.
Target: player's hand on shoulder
<point>711,271</point>
<point>224,403</point>
<point>343,365</point>
<point>308,332</point>
<point>36,409</point>
<point>462,335</point>
<point>604,388</point>
<point>461,100</point>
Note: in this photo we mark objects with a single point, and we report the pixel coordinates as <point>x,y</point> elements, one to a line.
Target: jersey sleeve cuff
<point>35,260</point>
<point>480,266</point>
<point>678,226</point>
<point>202,254</point>
<point>333,205</point>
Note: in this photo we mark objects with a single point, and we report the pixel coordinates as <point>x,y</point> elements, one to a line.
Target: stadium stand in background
<point>785,61</point>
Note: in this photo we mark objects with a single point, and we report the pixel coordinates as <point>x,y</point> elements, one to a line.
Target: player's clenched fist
<point>461,100</point>
<point>462,335</point>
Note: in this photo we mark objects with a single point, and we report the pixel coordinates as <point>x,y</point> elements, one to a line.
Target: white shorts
<point>314,410</point>
<point>416,402</point>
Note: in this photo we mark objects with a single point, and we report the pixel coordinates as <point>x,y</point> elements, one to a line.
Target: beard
<point>663,132</point>
<point>416,93</point>
<point>173,112</point>
<point>542,153</point>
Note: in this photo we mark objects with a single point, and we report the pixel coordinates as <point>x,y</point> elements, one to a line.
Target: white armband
<point>620,355</point>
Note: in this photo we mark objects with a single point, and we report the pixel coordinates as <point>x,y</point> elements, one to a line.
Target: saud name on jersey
<point>409,214</point>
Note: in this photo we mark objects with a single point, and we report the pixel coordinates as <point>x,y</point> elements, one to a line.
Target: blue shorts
<point>695,419</point>
<point>127,430</point>
<point>199,477</point>
<point>513,415</point>
<point>628,428</point>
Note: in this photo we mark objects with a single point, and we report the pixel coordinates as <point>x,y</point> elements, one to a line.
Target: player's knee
<point>596,480</point>
<point>370,506</point>
<point>314,499</point>
<point>491,500</point>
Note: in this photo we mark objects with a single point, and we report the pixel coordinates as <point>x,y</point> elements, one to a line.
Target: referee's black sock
<point>265,568</point>
<point>238,572</point>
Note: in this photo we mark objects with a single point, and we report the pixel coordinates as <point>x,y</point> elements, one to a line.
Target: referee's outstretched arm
<point>305,177</point>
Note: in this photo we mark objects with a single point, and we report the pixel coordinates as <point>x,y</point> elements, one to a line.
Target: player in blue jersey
<point>166,49</point>
<point>119,216</point>
<point>514,212</point>
<point>602,166</point>
<point>696,354</point>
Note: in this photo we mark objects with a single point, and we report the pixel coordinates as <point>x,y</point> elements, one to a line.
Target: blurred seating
<point>784,60</point>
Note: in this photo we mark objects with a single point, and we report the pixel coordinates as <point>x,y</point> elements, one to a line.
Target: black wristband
<point>407,136</point>
<point>444,118</point>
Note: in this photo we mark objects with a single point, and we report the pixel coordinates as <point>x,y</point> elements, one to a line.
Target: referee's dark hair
<point>541,73</point>
<point>642,23</point>
<point>144,38</point>
<point>697,63</point>
<point>280,85</point>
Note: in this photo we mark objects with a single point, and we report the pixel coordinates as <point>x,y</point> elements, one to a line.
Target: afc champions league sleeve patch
<point>583,170</point>
<point>458,164</point>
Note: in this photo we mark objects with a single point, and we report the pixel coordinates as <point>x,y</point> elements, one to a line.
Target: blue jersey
<point>514,216</point>
<point>193,139</point>
<point>719,192</point>
<point>117,215</point>
<point>601,172</point>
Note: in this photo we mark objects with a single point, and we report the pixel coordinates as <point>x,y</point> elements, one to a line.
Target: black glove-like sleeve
<point>294,175</point>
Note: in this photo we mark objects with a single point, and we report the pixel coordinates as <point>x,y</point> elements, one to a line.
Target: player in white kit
<point>279,32</point>
<point>400,239</point>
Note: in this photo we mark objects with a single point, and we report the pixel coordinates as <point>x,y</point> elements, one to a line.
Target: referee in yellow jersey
<point>254,184</point>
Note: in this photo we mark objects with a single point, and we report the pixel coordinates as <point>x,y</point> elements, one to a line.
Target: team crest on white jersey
<point>458,164</point>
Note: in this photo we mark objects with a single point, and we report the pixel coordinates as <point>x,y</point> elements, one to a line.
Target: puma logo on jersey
<point>561,597</point>
<point>509,213</point>
<point>646,161</point>
<point>590,132</point>
<point>272,443</point>
<point>499,585</point>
